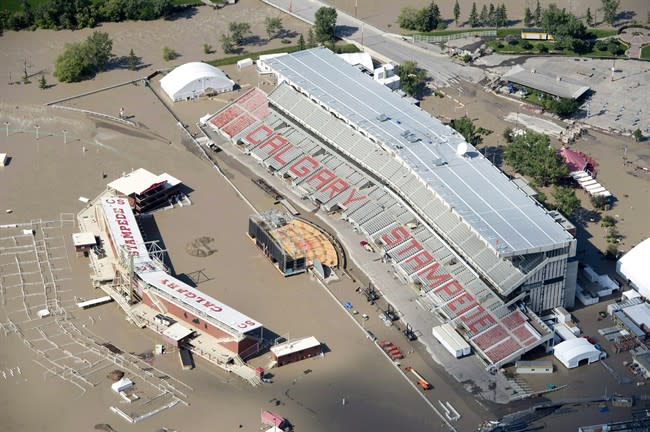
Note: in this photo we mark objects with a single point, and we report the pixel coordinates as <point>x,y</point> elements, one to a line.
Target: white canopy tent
<point>574,351</point>
<point>192,80</point>
<point>633,266</point>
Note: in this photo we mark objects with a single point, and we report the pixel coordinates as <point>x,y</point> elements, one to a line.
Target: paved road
<point>387,46</point>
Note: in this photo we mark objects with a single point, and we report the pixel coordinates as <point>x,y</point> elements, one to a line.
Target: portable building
<point>295,350</point>
<point>122,384</point>
<point>244,63</point>
<point>451,340</point>
<point>534,367</point>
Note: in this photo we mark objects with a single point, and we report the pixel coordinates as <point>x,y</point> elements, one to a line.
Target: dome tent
<point>192,80</point>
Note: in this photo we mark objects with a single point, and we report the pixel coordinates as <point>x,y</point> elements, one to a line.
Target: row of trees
<point>490,16</point>
<point>82,60</point>
<point>77,14</point>
<point>423,20</point>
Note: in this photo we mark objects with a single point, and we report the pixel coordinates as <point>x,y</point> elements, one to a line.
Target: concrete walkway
<point>636,37</point>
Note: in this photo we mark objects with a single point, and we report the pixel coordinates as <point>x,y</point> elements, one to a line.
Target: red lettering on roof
<point>259,134</point>
<point>462,303</point>
<point>413,244</point>
<point>278,155</point>
<point>276,143</point>
<point>421,260</point>
<point>478,319</point>
<point>395,236</point>
<point>321,178</point>
<point>451,289</point>
<point>430,278</point>
<point>336,187</point>
<point>304,166</point>
<point>351,198</point>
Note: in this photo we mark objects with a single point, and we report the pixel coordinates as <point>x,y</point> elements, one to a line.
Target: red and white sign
<point>190,296</point>
<point>123,227</point>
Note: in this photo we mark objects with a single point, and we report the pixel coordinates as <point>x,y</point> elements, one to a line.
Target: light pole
<point>7,127</point>
<point>65,136</point>
<point>37,127</point>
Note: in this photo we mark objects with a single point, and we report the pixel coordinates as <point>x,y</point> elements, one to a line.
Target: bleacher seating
<point>226,116</point>
<point>514,319</point>
<point>522,333</point>
<point>237,125</point>
<point>506,348</point>
<point>256,100</point>
<point>490,337</point>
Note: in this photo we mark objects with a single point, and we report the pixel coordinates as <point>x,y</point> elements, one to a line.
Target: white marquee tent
<point>633,266</point>
<point>192,80</point>
<point>571,352</point>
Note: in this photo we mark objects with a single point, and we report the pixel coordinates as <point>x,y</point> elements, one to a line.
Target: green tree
<point>411,77</point>
<point>637,134</point>
<point>607,221</point>
<point>507,134</point>
<point>238,31</point>
<point>528,17</point>
<point>473,16</point>
<point>432,17</point>
<point>609,9</point>
<point>501,16</point>
<point>562,106</point>
<point>301,42</point>
<point>599,201</point>
<point>538,14</point>
<point>465,126</point>
<point>530,154</point>
<point>408,18</point>
<point>484,18</point>
<point>133,60</point>
<point>589,19</point>
<point>272,26</point>
<point>42,83</point>
<point>99,49</point>
<point>491,16</point>
<point>168,54</point>
<point>311,40</point>
<point>72,65</point>
<point>227,43</point>
<point>325,24</point>
<point>566,200</point>
<point>456,12</point>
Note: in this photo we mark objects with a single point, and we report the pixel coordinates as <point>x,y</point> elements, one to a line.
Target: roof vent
<point>405,133</point>
<point>439,162</point>
<point>382,117</point>
<point>462,148</point>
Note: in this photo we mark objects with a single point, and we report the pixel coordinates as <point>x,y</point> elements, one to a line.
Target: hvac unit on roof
<point>382,117</point>
<point>462,148</point>
<point>405,133</point>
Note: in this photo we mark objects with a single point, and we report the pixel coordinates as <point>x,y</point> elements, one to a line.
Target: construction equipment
<point>409,333</point>
<point>390,313</point>
<point>424,384</point>
<point>371,293</point>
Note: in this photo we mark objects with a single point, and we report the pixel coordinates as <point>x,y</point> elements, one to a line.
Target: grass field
<point>645,52</point>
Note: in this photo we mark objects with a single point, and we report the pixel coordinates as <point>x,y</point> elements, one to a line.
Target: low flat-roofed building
<point>145,190</point>
<point>555,86</point>
<point>643,360</point>
<point>3,159</point>
<point>296,350</point>
<point>451,340</point>
<point>534,367</point>
<point>84,241</point>
<point>535,34</point>
<point>177,333</point>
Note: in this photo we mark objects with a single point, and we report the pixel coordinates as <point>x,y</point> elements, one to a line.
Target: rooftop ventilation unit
<point>382,117</point>
<point>412,138</point>
<point>405,133</point>
<point>439,162</point>
<point>462,148</point>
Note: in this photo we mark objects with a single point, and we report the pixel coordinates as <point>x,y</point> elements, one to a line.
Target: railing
<point>453,36</point>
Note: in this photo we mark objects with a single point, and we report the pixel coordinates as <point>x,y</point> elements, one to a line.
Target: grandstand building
<point>142,286</point>
<point>481,253</point>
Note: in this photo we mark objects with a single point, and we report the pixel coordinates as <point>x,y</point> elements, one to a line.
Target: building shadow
<point>151,232</point>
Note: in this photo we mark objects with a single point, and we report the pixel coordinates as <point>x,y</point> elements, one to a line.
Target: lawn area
<point>546,47</point>
<point>645,52</point>
<point>596,33</point>
<point>501,32</point>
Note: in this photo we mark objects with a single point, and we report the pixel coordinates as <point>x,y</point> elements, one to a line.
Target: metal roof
<point>494,207</point>
<point>556,86</point>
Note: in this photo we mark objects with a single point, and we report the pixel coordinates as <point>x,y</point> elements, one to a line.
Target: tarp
<point>574,160</point>
<point>272,419</point>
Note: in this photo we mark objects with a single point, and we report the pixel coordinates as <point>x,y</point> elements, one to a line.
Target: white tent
<point>191,80</point>
<point>571,352</point>
<point>633,266</point>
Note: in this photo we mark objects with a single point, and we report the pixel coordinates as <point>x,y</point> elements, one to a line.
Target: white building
<point>575,352</point>
<point>195,79</point>
<point>451,340</point>
<point>633,266</point>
